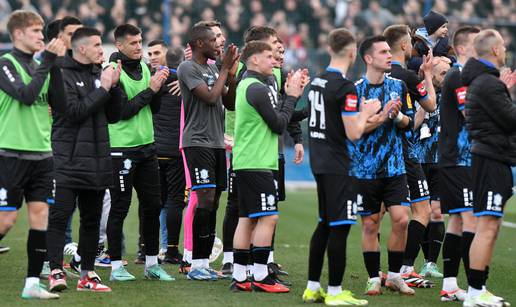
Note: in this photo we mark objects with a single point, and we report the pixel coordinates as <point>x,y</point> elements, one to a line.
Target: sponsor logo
<point>460,94</point>
<point>351,103</point>
<point>421,88</point>
<point>3,197</point>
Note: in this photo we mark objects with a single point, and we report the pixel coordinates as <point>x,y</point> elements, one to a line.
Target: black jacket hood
<point>474,68</point>
<point>69,63</point>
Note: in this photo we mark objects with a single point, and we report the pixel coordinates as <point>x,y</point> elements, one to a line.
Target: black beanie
<point>433,21</point>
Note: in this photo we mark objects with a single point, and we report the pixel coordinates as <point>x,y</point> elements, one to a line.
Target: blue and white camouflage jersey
<point>379,154</point>
<point>427,136</point>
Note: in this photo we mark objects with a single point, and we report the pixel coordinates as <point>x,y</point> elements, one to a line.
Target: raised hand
<point>188,52</point>
<point>508,77</point>
<point>56,46</point>
<point>428,63</point>
<point>116,74</point>
<point>370,107</point>
<point>293,86</point>
<point>230,57</point>
<point>106,78</point>
<point>174,88</point>
<point>158,79</point>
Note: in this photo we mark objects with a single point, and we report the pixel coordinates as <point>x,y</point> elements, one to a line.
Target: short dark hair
<point>126,29</point>
<point>197,33</point>
<point>52,29</point>
<point>258,33</point>
<point>22,19</point>
<point>175,56</point>
<point>461,34</point>
<point>254,47</point>
<point>367,44</point>
<point>208,23</point>
<point>158,42</point>
<point>83,33</point>
<point>69,20</point>
<point>340,38</point>
<point>393,34</point>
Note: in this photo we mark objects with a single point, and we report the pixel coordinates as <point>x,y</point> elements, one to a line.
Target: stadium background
<point>302,25</point>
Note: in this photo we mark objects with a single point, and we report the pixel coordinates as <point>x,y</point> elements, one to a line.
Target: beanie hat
<point>433,21</point>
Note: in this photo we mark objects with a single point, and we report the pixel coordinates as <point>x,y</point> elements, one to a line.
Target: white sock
<point>197,264</point>
<point>187,256</point>
<point>334,290</point>
<point>76,257</point>
<point>260,271</point>
<point>393,275</point>
<point>271,257</point>
<point>228,257</point>
<point>150,261</point>
<point>406,269</point>
<point>313,285</point>
<point>116,264</point>
<point>31,281</point>
<point>376,279</point>
<point>239,272</point>
<point>206,263</point>
<point>472,292</point>
<point>450,283</point>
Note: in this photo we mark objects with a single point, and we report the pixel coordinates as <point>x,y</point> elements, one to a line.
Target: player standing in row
<point>335,117</point>
<point>490,114</point>
<point>202,87</point>
<point>420,91</point>
<point>135,163</point>
<point>258,122</point>
<point>81,153</point>
<point>456,183</point>
<point>27,88</point>
<point>377,161</point>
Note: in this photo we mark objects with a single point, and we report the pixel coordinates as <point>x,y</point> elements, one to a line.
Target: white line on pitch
<point>509,224</point>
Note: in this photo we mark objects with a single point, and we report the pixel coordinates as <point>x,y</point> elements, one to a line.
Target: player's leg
<point>492,189</point>
<point>11,194</point>
<point>230,222</point>
<point>435,237</point>
<point>103,259</point>
<point>241,253</point>
<point>121,194</point>
<point>148,189</point>
<point>176,184</point>
<point>59,214</point>
<point>314,292</point>
<point>90,204</point>
<point>279,179</point>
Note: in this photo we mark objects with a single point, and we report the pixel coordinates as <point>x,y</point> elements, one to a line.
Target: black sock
<point>172,250</point>
<point>415,234</point>
<point>260,256</point>
<point>337,254</point>
<point>241,257</point>
<point>250,256</point>
<point>467,238</point>
<point>372,263</point>
<point>213,226</point>
<point>201,233</point>
<point>395,259</point>
<point>36,251</point>
<point>487,274</point>
<point>425,244</point>
<point>1,236</point>
<point>316,254</point>
<point>229,227</point>
<point>436,236</point>
<point>451,254</point>
<point>476,278</point>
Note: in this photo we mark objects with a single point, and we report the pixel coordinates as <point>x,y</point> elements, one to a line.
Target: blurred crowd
<point>302,24</point>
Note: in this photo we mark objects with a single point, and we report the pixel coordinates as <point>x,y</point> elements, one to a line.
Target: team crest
<point>271,200</point>
<point>3,196</point>
<point>204,174</point>
<point>127,164</point>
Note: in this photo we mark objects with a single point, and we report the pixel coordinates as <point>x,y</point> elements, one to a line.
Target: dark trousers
<point>90,208</point>
<point>140,172</point>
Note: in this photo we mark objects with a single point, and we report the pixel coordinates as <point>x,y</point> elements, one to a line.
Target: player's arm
<point>355,114</point>
<point>424,90</point>
<point>56,90</point>
<point>419,118</point>
<point>11,82</point>
<point>229,97</point>
<point>113,107</point>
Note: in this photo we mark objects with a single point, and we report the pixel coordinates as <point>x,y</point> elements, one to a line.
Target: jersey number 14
<point>317,107</point>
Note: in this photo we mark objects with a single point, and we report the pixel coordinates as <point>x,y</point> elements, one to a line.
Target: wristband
<point>399,118</point>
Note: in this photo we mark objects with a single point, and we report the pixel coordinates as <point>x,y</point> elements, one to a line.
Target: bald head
<point>490,45</point>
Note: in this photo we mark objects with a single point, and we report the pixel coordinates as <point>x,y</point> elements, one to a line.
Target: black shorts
<point>492,186</point>
<point>456,188</point>
<point>391,191</point>
<point>232,185</point>
<point>431,171</point>
<point>418,186</point>
<point>25,178</point>
<point>207,167</point>
<point>279,178</point>
<point>172,179</point>
<point>338,198</point>
<point>257,194</point>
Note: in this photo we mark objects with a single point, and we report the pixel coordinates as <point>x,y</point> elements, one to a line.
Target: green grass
<point>298,218</point>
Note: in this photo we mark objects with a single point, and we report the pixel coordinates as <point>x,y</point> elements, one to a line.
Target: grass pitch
<point>297,221</point>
